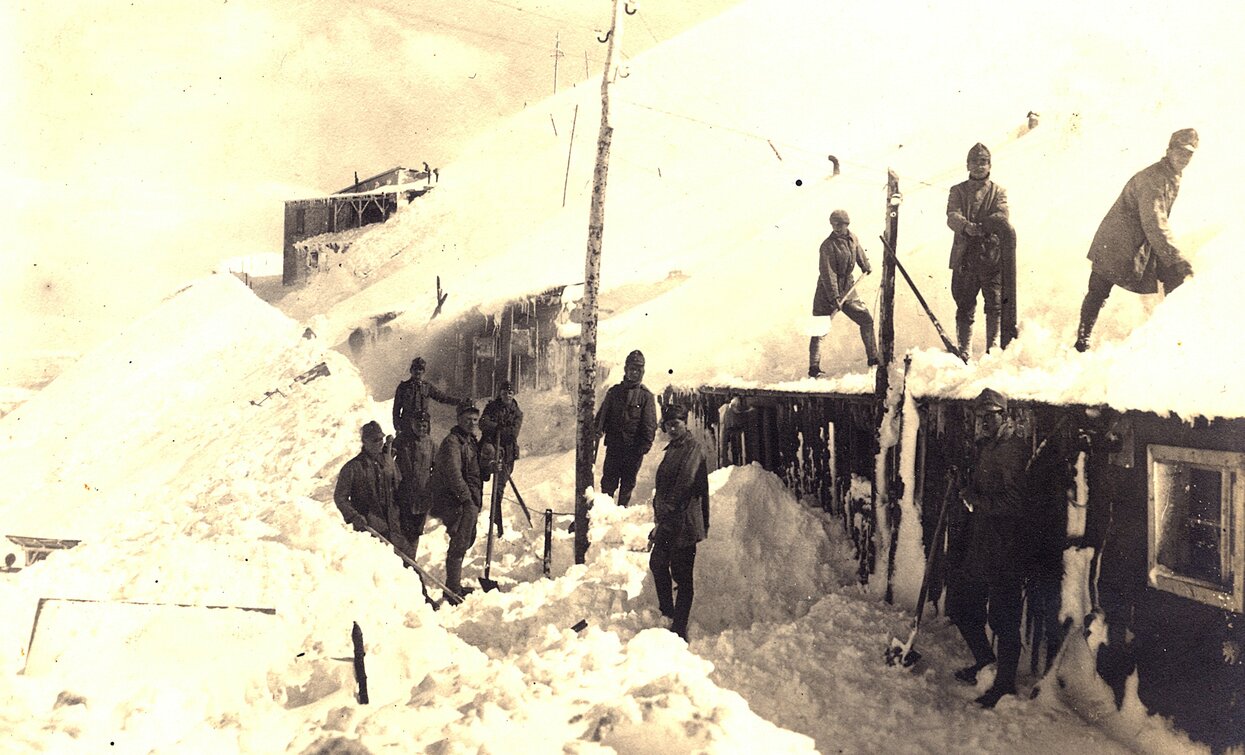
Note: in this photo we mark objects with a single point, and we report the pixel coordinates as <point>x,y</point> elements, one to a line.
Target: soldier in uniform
<point>1134,248</point>
<point>628,421</point>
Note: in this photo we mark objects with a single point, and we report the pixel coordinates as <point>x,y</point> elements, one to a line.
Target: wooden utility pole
<point>886,309</point>
<point>882,492</point>
<point>586,445</point>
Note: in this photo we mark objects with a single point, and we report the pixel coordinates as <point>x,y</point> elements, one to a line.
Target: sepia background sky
<point>144,142</point>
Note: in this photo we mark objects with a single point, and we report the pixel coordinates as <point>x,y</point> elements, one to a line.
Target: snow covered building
<point>1139,518</point>
<point>371,200</point>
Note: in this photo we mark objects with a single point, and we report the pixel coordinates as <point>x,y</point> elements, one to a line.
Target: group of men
<point>1133,249</point>
<point>391,487</point>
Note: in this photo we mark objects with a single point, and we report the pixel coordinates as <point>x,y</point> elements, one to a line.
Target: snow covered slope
<point>718,170</point>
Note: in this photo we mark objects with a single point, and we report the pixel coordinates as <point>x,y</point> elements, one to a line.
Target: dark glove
<point>358,522</point>
<point>377,523</point>
<point>972,229</point>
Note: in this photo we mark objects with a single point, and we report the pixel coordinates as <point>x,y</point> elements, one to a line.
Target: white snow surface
<point>211,500</point>
<point>198,471</point>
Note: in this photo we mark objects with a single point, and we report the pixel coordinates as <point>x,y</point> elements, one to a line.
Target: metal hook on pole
<point>630,9</point>
<point>606,38</point>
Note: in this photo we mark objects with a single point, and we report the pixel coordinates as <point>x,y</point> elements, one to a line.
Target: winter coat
<point>1002,525</point>
<point>681,503</point>
<point>972,201</point>
<point>414,458</point>
<point>1134,238</point>
<point>500,424</point>
<point>365,493</point>
<point>456,480</point>
<point>411,398</point>
<point>839,256</point>
<point>628,418</point>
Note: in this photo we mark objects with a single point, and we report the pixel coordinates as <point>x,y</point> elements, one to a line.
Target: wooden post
<point>586,446</point>
<point>886,336</point>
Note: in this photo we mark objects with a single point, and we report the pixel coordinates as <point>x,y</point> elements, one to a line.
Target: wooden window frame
<point>1231,467</point>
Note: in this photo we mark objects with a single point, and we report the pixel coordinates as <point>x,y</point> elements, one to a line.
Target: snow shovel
<point>902,653</point>
<point>454,597</point>
<point>486,584</point>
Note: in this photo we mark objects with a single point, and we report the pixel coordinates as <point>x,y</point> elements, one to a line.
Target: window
<point>300,221</point>
<point>1197,524</point>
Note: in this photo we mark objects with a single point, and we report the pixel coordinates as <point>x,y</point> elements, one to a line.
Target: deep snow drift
<point>245,518</point>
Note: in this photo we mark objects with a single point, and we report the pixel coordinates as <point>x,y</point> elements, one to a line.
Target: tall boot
<point>454,573</point>
<point>814,357</point>
<point>871,344</point>
<point>964,335</point>
<point>1089,316</point>
<point>992,330</point>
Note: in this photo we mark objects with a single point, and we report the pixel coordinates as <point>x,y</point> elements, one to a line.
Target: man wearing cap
<point>989,568</point>
<point>456,490</point>
<point>681,515</point>
<point>628,421</point>
<point>1134,248</point>
<point>500,425</point>
<point>975,208</point>
<point>839,255</point>
<point>414,451</point>
<point>411,397</point>
<point>367,484</point>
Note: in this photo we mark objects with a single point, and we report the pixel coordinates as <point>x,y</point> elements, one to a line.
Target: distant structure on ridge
<point>371,200</point>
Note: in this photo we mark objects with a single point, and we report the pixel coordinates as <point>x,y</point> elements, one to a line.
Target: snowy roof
<point>734,192</point>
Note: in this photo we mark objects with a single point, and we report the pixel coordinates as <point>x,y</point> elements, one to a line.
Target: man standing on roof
<point>977,212</point>
<point>1134,248</point>
<point>411,397</point>
<point>839,255</point>
<point>456,490</point>
<point>681,515</point>
<point>628,421</point>
<point>367,485</point>
<point>988,577</point>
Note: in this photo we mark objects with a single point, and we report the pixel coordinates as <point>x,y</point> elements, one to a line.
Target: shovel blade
<point>487,584</point>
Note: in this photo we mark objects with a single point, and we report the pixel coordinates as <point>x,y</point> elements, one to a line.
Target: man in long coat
<point>839,255</point>
<point>1134,248</point>
<point>628,421</point>
<point>988,579</point>
<point>681,514</point>
<point>975,263</point>
<point>414,451</point>
<point>456,490</point>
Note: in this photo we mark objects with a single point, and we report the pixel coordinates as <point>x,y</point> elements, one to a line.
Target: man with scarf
<point>681,514</point>
<point>1134,247</point>
<point>628,420</point>
<point>991,565</point>
<point>974,207</point>
<point>839,255</point>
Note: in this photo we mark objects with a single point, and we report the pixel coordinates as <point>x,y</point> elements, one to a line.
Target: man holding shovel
<point>839,255</point>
